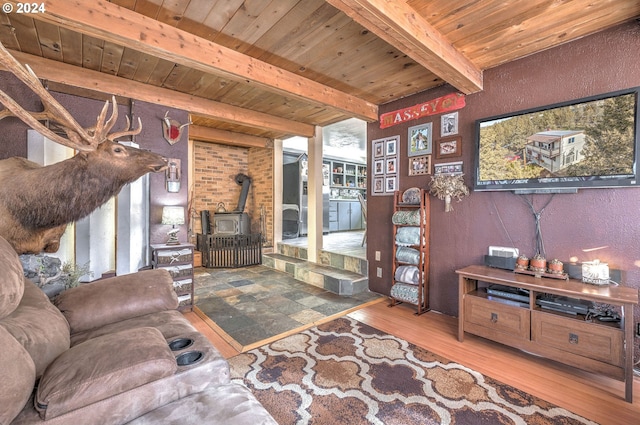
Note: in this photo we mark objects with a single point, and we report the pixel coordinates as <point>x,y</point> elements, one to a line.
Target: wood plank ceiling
<point>276,68</point>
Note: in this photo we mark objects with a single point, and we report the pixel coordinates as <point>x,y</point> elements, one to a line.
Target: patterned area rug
<point>345,372</point>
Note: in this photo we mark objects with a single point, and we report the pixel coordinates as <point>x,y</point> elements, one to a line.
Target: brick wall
<point>261,160</point>
<point>214,169</point>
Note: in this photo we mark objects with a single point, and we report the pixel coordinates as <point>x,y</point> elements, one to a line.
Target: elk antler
<point>78,137</point>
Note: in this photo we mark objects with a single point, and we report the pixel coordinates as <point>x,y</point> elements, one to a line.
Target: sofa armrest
<point>112,300</point>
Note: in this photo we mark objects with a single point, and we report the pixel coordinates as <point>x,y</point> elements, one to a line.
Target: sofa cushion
<point>11,278</point>
<point>17,377</point>
<point>170,323</point>
<point>103,367</point>
<point>230,403</point>
<point>39,327</point>
<point>118,298</point>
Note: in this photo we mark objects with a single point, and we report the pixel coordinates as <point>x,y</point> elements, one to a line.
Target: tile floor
<point>255,303</point>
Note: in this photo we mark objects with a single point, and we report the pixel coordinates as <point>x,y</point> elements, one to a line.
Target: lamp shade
<point>173,215</point>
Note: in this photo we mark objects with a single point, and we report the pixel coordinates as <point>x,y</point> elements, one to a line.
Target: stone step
<point>338,281</point>
<point>327,258</point>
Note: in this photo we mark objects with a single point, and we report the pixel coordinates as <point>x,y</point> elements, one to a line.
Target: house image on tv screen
<point>555,149</point>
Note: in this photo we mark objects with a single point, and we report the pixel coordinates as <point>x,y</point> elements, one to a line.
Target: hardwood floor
<point>595,397</point>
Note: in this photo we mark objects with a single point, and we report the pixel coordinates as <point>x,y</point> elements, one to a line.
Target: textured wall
<point>572,224</point>
<point>151,138</point>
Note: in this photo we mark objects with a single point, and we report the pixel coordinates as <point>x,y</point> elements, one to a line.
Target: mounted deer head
<point>36,203</point>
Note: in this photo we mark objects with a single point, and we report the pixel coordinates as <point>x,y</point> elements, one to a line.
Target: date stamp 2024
<point>25,8</point>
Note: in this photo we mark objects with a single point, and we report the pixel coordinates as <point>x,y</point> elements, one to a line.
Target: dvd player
<point>564,304</point>
<point>509,292</point>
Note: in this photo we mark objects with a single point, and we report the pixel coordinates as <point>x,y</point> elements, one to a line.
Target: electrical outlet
<point>379,272</point>
<point>377,255</point>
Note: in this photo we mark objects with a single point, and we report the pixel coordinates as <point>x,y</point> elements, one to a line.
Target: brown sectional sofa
<point>115,351</point>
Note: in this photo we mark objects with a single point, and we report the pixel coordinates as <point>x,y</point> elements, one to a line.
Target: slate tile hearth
<point>255,303</point>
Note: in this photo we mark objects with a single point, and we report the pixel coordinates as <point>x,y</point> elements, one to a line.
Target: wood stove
<point>227,240</point>
<point>236,222</point>
<point>231,223</point>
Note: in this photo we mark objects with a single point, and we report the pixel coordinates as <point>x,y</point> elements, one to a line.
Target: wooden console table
<point>601,347</point>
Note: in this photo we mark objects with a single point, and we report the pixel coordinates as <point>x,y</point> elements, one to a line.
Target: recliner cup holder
<point>189,358</point>
<point>180,344</point>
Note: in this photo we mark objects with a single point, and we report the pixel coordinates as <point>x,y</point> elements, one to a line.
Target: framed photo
<point>446,148</point>
<point>378,149</point>
<point>390,184</point>
<point>420,139</point>
<point>391,166</point>
<point>378,167</point>
<point>449,124</point>
<point>448,168</point>
<point>392,147</point>
<point>420,165</point>
<point>378,185</point>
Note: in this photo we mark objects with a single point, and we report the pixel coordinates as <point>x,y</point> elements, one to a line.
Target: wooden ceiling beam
<point>71,75</point>
<point>225,137</point>
<point>110,22</point>
<point>401,26</point>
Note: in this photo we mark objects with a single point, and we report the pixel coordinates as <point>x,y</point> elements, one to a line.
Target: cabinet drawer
<point>497,317</point>
<point>590,340</point>
<point>169,257</point>
<point>183,286</point>
<point>177,272</point>
<point>184,301</point>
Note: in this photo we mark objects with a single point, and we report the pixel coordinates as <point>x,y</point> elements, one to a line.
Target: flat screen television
<point>585,143</point>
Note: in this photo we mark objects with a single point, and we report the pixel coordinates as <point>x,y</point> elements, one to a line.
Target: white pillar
<point>95,241</point>
<point>314,238</point>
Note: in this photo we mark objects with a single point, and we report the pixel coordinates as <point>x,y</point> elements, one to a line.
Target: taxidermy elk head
<point>37,203</point>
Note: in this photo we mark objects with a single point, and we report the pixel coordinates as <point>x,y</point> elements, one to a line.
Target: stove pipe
<point>245,181</point>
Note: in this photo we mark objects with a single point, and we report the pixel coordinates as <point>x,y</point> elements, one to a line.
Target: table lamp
<point>173,215</point>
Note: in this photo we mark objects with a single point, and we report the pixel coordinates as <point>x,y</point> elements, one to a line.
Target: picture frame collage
<point>385,165</point>
<point>423,153</point>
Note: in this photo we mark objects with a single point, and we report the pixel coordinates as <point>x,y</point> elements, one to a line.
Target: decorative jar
<point>522,263</point>
<point>555,266</point>
<point>538,264</point>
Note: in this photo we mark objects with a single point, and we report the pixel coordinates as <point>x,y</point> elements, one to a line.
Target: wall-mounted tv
<point>591,142</point>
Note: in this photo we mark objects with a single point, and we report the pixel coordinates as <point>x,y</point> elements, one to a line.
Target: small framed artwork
<point>420,165</point>
<point>449,124</point>
<point>451,147</point>
<point>378,167</point>
<point>392,147</point>
<point>390,184</point>
<point>453,168</point>
<point>378,149</point>
<point>420,139</point>
<point>378,185</point>
<point>391,166</point>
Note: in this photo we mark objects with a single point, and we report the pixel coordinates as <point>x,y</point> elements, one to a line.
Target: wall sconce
<point>173,216</point>
<point>595,272</point>
<point>172,175</point>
